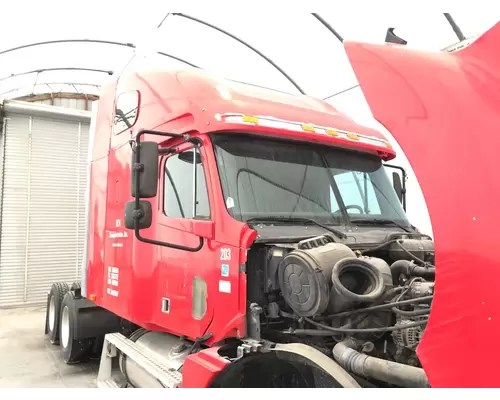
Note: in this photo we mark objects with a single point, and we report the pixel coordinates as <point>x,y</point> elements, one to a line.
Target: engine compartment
<point>367,307</point>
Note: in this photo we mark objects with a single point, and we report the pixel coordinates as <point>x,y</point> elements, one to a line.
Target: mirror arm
<point>167,150</point>
<point>194,182</point>
<point>137,215</point>
<point>403,183</point>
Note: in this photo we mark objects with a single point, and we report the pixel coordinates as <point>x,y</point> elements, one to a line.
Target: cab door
<point>184,276</point>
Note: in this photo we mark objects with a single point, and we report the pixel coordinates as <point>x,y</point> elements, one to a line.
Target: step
<point>169,377</point>
<point>108,383</point>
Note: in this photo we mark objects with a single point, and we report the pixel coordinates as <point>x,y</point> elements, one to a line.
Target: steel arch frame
<point>338,36</point>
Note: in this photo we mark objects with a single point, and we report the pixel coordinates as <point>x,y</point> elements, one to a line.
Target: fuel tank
<point>165,347</point>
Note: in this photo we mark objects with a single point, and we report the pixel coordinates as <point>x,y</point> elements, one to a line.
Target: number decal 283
<point>225,254</point>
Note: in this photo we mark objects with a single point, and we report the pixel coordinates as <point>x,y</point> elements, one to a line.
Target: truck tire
<point>53,313</point>
<point>72,350</point>
<point>76,285</point>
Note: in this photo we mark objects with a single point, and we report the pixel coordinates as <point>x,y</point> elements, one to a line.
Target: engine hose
<point>360,318</point>
<point>376,368</point>
<point>379,307</point>
<point>413,255</point>
<point>379,247</point>
<point>398,242</point>
<point>363,330</point>
<point>409,268</point>
<point>415,313</point>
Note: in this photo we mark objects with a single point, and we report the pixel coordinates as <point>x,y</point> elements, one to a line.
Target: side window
<point>127,109</point>
<point>181,172</point>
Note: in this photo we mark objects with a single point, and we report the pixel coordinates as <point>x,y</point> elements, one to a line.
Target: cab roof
<point>256,100</point>
<point>196,100</point>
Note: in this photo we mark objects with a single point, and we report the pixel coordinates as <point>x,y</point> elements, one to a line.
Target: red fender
<point>200,369</point>
<point>444,111</point>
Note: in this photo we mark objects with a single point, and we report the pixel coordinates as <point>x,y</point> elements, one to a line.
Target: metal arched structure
<point>328,26</point>
<point>448,17</point>
<point>93,41</point>
<point>65,41</point>
<point>331,29</point>
<point>48,84</point>
<point>52,97</point>
<point>245,44</point>
<point>39,71</point>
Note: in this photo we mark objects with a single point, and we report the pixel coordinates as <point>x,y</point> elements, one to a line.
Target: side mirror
<point>398,186</point>
<point>145,164</point>
<point>144,214</point>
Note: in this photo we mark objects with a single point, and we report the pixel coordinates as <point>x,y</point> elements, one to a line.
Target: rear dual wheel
<point>53,314</point>
<point>72,350</point>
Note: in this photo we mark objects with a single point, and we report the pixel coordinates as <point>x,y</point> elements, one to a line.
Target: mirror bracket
<point>402,191</point>
<point>138,167</point>
<point>137,212</point>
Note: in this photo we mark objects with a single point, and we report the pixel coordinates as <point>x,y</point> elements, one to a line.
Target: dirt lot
<point>27,359</point>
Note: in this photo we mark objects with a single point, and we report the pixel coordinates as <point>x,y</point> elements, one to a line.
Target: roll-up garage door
<point>44,152</point>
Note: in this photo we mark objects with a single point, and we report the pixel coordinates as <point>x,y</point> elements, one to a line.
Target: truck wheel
<point>76,285</point>
<point>72,350</point>
<point>53,313</point>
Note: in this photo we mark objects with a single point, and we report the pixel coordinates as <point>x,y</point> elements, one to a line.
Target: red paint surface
<point>200,369</point>
<point>444,110</point>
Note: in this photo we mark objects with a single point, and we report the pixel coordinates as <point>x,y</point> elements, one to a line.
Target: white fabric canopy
<point>297,42</point>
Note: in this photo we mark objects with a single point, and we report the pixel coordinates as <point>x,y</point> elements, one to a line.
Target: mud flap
<point>302,354</point>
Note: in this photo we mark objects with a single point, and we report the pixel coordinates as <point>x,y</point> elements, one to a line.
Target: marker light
<point>250,120</point>
<point>308,128</point>
<point>271,122</point>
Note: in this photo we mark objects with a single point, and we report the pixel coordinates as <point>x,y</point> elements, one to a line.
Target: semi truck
<point>245,237</point>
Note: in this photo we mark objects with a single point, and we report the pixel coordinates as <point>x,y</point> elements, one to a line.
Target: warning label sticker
<point>113,280</point>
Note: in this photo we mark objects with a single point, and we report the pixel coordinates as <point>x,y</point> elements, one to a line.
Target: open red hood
<point>444,111</point>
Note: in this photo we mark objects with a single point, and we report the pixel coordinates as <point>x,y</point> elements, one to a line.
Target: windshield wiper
<point>379,221</point>
<point>336,232</point>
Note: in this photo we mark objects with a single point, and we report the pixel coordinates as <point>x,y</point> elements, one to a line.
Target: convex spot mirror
<point>144,214</point>
<point>146,154</point>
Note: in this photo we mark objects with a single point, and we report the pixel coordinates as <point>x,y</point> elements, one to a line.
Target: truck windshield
<point>264,177</point>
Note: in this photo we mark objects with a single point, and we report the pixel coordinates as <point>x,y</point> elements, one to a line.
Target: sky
<point>294,40</point>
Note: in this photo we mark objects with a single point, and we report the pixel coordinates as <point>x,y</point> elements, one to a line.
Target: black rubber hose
<point>380,246</point>
<point>377,368</point>
<point>310,332</point>
<point>410,269</point>
<point>398,242</point>
<point>425,264</point>
<point>415,313</point>
<point>368,270</point>
<point>364,330</point>
<point>380,307</point>
<point>330,331</point>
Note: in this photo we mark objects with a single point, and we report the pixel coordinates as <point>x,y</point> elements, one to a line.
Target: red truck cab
<point>227,220</point>
<point>190,291</point>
